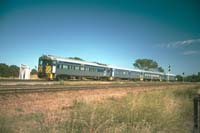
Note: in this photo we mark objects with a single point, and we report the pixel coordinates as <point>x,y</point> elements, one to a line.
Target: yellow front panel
<point>51,76</point>
<point>48,69</point>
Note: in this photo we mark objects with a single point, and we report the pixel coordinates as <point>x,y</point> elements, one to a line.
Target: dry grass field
<point>130,109</point>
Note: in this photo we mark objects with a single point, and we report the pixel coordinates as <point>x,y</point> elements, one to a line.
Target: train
<point>53,67</point>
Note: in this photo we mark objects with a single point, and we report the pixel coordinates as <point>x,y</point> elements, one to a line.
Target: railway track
<point>31,89</point>
<point>13,89</point>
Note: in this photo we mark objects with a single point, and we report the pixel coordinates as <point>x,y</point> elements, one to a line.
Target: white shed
<point>24,72</point>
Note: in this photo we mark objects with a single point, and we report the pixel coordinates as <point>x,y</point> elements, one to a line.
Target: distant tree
<point>76,58</point>
<point>4,70</point>
<point>145,64</point>
<point>160,69</point>
<point>192,78</point>
<point>33,71</point>
<point>198,77</point>
<point>179,78</point>
<point>9,71</point>
<point>189,78</point>
<point>14,71</point>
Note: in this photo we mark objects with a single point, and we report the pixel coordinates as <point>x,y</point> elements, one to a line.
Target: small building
<point>24,72</point>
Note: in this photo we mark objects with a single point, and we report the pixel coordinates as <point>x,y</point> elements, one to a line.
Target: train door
<point>105,72</point>
<point>54,68</point>
<point>111,74</point>
<point>141,76</point>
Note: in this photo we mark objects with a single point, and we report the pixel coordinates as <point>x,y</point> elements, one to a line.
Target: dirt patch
<point>34,77</point>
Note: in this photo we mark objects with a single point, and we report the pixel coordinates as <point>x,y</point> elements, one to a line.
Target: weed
<point>5,124</point>
<point>87,118</point>
<point>19,110</point>
<point>41,125</point>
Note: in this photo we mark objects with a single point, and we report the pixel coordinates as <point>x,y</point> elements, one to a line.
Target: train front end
<point>45,68</point>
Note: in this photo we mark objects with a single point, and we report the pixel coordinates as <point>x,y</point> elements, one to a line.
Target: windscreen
<point>44,62</point>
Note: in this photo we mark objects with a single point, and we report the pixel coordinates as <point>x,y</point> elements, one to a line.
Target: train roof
<point>170,74</point>
<point>74,61</point>
<point>121,68</point>
<point>136,70</point>
<point>161,73</point>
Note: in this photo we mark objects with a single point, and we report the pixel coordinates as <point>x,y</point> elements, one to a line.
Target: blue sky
<point>115,32</point>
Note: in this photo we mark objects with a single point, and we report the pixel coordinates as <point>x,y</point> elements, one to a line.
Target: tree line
<point>190,78</point>
<point>11,71</point>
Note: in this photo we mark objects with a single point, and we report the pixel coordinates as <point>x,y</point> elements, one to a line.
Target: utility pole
<point>169,69</point>
<point>183,76</point>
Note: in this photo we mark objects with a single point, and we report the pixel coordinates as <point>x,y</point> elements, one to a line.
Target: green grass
<point>169,110</point>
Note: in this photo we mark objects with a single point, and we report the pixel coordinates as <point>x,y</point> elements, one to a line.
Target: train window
<point>58,66</point>
<point>82,68</point>
<point>76,67</point>
<point>87,68</point>
<point>65,67</point>
<point>124,73</point>
<point>91,69</point>
<point>54,62</point>
<point>100,70</point>
<point>40,62</point>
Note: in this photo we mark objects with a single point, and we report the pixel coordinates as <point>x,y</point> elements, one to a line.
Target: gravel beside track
<point>26,82</point>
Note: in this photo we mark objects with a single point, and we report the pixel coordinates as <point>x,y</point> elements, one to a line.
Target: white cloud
<point>178,44</point>
<point>191,52</point>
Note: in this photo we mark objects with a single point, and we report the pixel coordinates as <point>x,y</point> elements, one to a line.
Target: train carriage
<point>149,75</point>
<point>52,67</point>
<point>124,73</point>
<point>170,77</point>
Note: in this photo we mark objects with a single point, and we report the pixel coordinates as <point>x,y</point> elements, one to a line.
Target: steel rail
<point>53,89</point>
<point>48,88</point>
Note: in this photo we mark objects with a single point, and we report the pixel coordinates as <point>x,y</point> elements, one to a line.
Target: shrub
<point>5,124</point>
